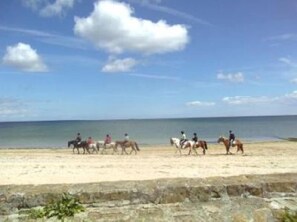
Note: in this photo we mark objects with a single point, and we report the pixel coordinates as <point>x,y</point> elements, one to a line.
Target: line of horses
<point>188,144</point>
<point>95,147</point>
<point>192,145</point>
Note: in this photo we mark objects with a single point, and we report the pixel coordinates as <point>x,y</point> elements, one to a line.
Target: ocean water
<point>55,134</point>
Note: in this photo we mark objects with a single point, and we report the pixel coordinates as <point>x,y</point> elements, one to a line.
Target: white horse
<point>187,144</point>
<point>93,146</point>
<point>106,146</point>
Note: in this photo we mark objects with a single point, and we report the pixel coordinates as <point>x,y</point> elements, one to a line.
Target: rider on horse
<point>183,138</point>
<point>195,138</point>
<point>231,138</point>
<point>78,138</point>
<point>107,140</point>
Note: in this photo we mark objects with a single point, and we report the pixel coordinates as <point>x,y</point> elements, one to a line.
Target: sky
<point>134,59</point>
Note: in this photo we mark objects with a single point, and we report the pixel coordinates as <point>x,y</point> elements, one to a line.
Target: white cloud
<point>57,8</point>
<point>289,98</point>
<point>200,104</point>
<point>23,57</point>
<point>292,95</point>
<point>232,77</point>
<point>112,27</point>
<point>119,65</point>
<point>244,100</point>
<point>48,9</point>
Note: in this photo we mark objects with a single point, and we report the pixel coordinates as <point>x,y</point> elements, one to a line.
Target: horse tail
<point>205,144</point>
<point>136,145</point>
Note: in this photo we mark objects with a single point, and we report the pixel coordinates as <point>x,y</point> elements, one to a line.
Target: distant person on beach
<point>107,140</point>
<point>183,138</point>
<point>195,138</point>
<point>231,138</point>
<point>78,138</point>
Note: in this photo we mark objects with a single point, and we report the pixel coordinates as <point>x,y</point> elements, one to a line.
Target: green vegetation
<point>66,207</point>
<point>289,216</point>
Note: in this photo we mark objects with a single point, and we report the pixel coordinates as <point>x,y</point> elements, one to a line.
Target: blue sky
<point>108,59</point>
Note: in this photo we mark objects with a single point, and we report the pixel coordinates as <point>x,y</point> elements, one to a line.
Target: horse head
<point>221,139</point>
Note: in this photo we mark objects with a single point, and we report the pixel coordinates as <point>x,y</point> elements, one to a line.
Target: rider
<point>126,138</point>
<point>195,138</point>
<point>183,138</point>
<point>107,140</point>
<point>231,138</point>
<point>90,140</point>
<point>78,138</point>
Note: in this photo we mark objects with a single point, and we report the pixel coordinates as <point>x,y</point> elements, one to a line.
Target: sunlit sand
<point>57,166</point>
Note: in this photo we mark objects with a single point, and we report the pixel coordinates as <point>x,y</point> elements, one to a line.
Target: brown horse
<point>227,143</point>
<point>126,144</point>
<point>76,145</point>
<point>202,144</point>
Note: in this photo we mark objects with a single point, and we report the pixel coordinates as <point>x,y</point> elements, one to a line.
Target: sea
<point>55,134</point>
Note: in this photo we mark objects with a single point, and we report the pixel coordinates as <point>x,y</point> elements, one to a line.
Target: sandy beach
<point>60,166</point>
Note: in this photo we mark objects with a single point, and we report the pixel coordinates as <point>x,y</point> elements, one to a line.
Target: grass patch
<point>67,206</point>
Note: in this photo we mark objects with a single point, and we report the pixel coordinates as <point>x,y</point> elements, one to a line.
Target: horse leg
<point>190,150</point>
<point>195,150</point>
<point>94,149</point>
<point>241,147</point>
<point>203,150</point>
<point>124,150</point>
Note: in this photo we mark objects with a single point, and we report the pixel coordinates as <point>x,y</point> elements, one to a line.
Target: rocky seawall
<point>256,198</point>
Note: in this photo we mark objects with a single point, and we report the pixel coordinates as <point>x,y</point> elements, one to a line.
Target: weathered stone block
<point>263,215</point>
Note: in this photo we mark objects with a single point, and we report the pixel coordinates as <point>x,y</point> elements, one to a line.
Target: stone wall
<point>243,198</point>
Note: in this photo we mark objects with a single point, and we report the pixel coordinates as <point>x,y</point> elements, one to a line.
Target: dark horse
<point>226,142</point>
<point>202,144</point>
<point>76,145</point>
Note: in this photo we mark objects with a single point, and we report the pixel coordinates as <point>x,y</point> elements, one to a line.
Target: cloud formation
<point>200,104</point>
<point>249,100</point>
<point>232,77</point>
<point>112,27</point>
<point>23,57</point>
<point>243,100</point>
<point>47,9</point>
<point>119,65</point>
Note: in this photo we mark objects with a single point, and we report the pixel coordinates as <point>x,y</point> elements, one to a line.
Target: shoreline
<point>146,145</point>
<point>61,166</point>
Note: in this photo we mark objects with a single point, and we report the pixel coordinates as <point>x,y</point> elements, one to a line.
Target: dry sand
<point>56,166</point>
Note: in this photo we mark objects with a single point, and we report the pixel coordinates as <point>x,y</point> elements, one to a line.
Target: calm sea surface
<point>53,134</point>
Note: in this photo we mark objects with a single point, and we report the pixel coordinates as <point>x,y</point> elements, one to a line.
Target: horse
<point>127,143</point>
<point>202,144</point>
<point>186,144</point>
<point>76,145</point>
<point>226,142</point>
<point>106,146</point>
<point>93,146</point>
